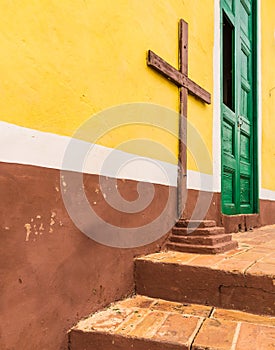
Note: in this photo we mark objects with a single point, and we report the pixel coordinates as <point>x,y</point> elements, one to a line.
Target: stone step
<point>142,323</point>
<point>209,231</point>
<point>196,223</point>
<point>202,249</point>
<point>236,279</point>
<point>200,237</point>
<point>139,323</point>
<point>201,240</point>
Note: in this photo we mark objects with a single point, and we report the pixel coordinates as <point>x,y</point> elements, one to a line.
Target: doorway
<point>239,107</point>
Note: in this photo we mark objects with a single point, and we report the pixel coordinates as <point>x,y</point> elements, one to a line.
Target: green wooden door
<point>238,108</point>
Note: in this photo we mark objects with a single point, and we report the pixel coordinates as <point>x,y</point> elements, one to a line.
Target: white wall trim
<point>27,146</point>
<point>267,194</point>
<point>32,147</point>
<point>216,100</point>
<point>199,181</point>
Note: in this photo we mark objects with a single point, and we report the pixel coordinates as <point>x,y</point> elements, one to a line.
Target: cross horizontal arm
<point>181,80</point>
<point>164,68</point>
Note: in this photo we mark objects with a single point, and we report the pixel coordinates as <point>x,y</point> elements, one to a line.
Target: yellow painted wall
<point>63,61</point>
<point>268,94</point>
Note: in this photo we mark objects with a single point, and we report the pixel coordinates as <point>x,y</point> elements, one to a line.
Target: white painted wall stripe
<point>27,146</point>
<point>267,194</point>
<point>199,181</point>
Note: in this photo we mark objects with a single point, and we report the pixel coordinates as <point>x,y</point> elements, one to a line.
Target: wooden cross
<point>186,85</point>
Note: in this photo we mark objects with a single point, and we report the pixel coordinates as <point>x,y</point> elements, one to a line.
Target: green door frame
<point>255,179</point>
<point>255,26</point>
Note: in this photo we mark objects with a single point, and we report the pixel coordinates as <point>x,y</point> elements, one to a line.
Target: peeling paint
<point>52,218</point>
<point>28,231</point>
<point>39,227</point>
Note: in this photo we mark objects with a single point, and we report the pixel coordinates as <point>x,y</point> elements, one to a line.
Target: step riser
<point>196,224</point>
<point>79,340</point>
<point>210,240</point>
<point>199,249</point>
<point>181,231</point>
<point>201,285</point>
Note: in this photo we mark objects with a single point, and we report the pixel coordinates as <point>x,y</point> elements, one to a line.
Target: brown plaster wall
<point>267,212</point>
<point>55,275</point>
<point>212,198</point>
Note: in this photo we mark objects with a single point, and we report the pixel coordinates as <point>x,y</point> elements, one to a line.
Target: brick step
<point>196,223</point>
<point>209,231</point>
<point>142,323</point>
<point>235,280</point>
<point>202,249</point>
<point>201,240</point>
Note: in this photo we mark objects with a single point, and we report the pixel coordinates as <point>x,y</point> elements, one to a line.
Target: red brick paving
<point>253,336</point>
<point>215,334</point>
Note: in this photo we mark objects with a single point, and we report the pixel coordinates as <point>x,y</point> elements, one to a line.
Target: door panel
<point>245,109</point>
<point>229,156</point>
<point>237,108</point>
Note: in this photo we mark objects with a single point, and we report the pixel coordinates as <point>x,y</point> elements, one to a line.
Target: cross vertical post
<point>183,67</point>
